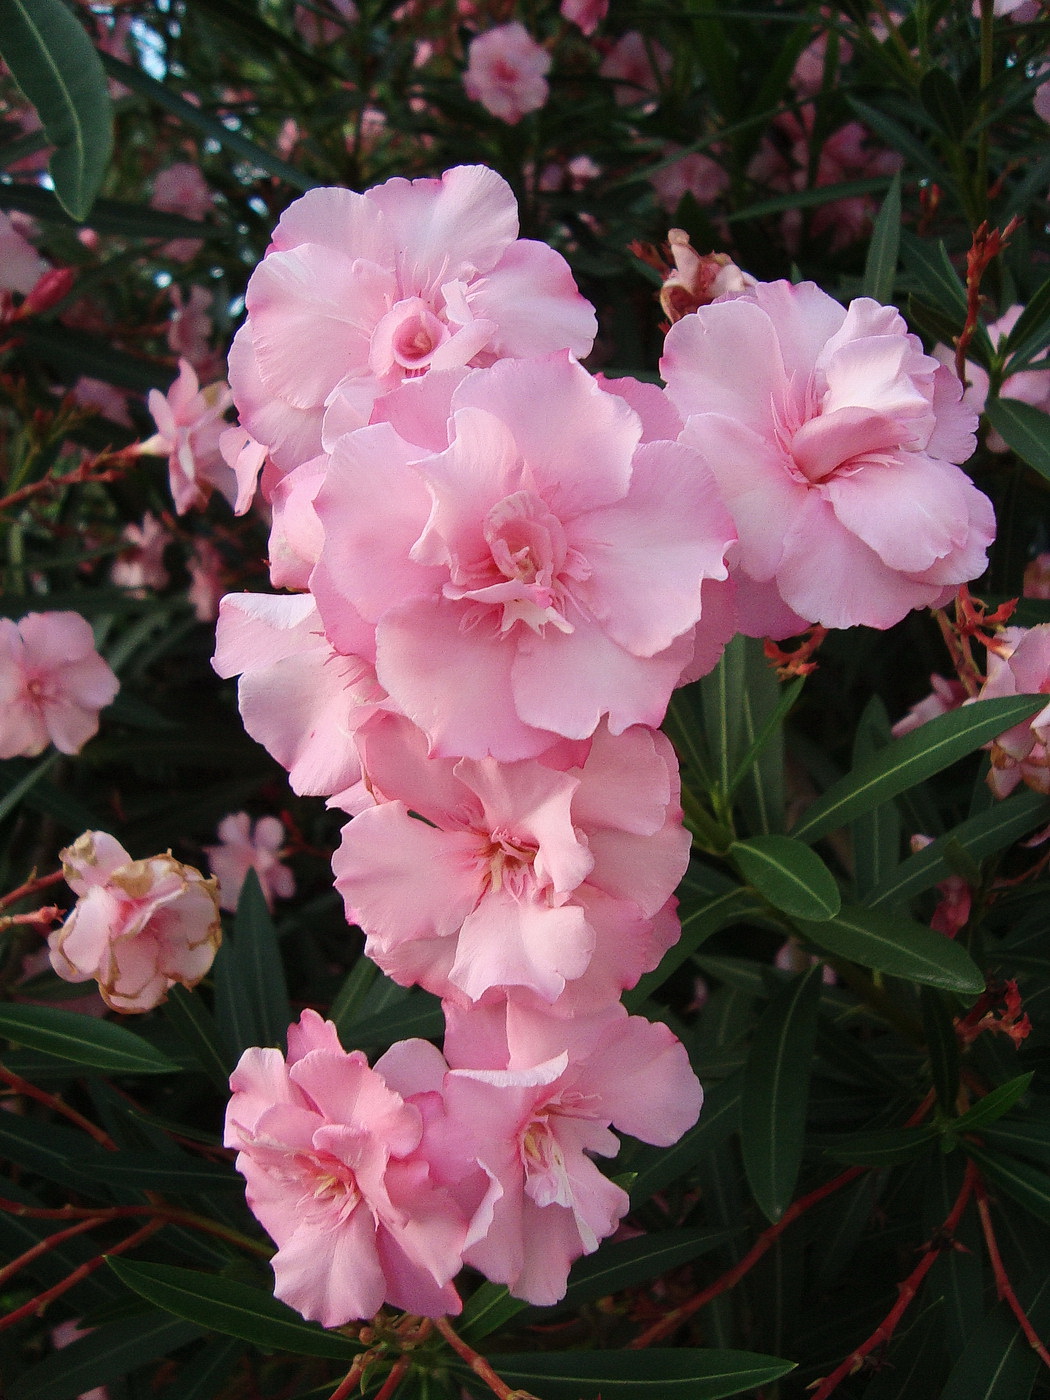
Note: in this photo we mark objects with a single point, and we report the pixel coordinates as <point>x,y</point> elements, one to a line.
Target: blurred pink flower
<point>53,683</point>
<point>190,330</point>
<point>945,695</point>
<point>21,266</point>
<point>1037,578</point>
<point>324,22</point>
<point>507,72</point>
<point>207,580</point>
<point>587,14</point>
<point>1031,386</point>
<point>246,845</point>
<point>190,422</point>
<point>834,439</point>
<point>138,927</point>
<point>635,65</point>
<point>62,1336</point>
<point>331,1156</point>
<point>694,174</point>
<point>106,398</point>
<point>140,564</point>
<point>181,189</point>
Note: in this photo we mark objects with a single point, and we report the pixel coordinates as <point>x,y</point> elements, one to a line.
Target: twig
<point>36,1305</point>
<point>1003,1286</point>
<point>394,1379</point>
<point>906,1291</point>
<point>672,1320</point>
<point>33,1091</point>
<point>42,1246</point>
<point>479,1365</point>
<point>30,887</point>
<point>355,1374</point>
<point>159,1210</point>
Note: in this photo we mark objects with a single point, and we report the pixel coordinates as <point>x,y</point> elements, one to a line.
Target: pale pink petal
<point>531,296</point>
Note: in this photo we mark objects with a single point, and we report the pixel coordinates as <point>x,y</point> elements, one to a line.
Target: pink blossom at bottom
<point>53,683</point>
<point>526,1103</point>
<point>138,926</point>
<point>331,1155</point>
<point>246,845</point>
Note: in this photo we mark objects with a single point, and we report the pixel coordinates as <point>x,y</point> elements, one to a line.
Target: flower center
<point>406,338</point>
<point>510,863</point>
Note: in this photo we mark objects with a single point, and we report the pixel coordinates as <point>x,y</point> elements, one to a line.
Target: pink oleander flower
<point>207,580</point>
<point>539,572</point>
<point>53,683</point>
<point>1020,666</point>
<point>246,845</point>
<point>315,27</point>
<point>944,695</point>
<point>21,266</point>
<point>636,67</point>
<point>834,440</point>
<point>103,397</point>
<point>358,292</point>
<point>520,877</point>
<point>1031,386</point>
<point>955,897</point>
<point>246,458</point>
<point>190,422</point>
<point>190,330</point>
<point>527,1103</point>
<point>694,174</point>
<point>140,564</point>
<point>336,1176</point>
<point>507,72</point>
<point>138,926</point>
<point>1037,578</point>
<point>299,697</point>
<point>586,14</point>
<point>181,189</point>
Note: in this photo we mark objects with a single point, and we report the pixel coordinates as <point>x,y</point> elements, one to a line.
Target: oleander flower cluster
<point>497,569</point>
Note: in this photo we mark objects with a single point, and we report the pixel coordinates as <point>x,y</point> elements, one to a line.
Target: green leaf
<point>940,97</point>
<point>721,691</point>
<point>1027,1138</point>
<point>232,1308</point>
<point>994,1104</point>
<point>942,1045</point>
<point>19,781</point>
<point>84,1040</point>
<point>487,1310</point>
<point>1023,1183</point>
<point>259,959</point>
<point>981,835</point>
<point>899,947</point>
<point>886,1148</point>
<point>910,759</point>
<point>107,1354</point>
<point>915,150</point>
<point>880,268</point>
<point>1025,429</point>
<point>658,1373</point>
<point>996,1364</point>
<point>929,264</point>
<point>199,120</point>
<point>630,1262</point>
<point>151,1171</point>
<point>736,906</point>
<point>185,1011</point>
<point>719,1118</point>
<point>55,64</point>
<point>1031,330</point>
<point>759,777</point>
<point>875,835</point>
<point>776,1092</point>
<point>789,874</point>
<point>203,1377</point>
<point>107,215</point>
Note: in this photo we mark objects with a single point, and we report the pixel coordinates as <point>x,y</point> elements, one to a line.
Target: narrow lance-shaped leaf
<point>911,759</point>
<point>776,1092</point>
<point>789,874</point>
<point>107,1354</point>
<point>1031,331</point>
<point>880,269</point>
<point>994,1104</point>
<point>942,1046</point>
<point>231,1307</point>
<point>1025,429</point>
<point>55,64</point>
<point>82,1040</point>
<point>657,1373</point>
<point>899,947</point>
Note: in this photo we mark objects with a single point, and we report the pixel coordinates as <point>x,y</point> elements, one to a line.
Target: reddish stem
<point>353,1377</point>
<point>36,1305</point>
<point>1003,1286</point>
<point>42,1246</point>
<point>31,886</point>
<point>32,1091</point>
<point>479,1365</point>
<point>672,1320</point>
<point>907,1291</point>
<point>397,1374</point>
